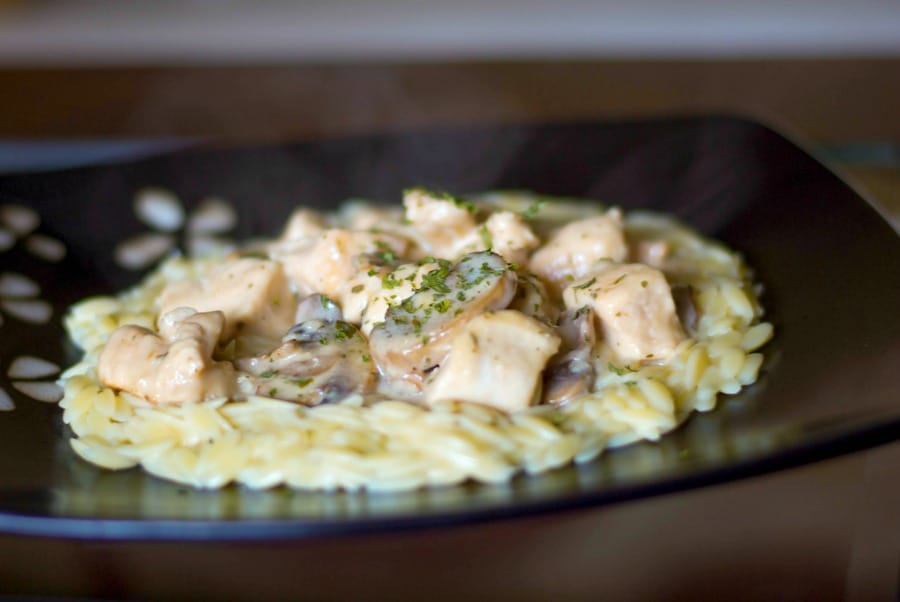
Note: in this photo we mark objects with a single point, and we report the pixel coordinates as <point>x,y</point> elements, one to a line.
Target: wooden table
<point>829,531</point>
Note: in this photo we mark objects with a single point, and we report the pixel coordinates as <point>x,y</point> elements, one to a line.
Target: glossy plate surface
<point>830,384</point>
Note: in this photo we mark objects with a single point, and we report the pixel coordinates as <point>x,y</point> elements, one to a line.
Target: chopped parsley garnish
<point>302,382</point>
<point>443,306</point>
<point>434,280</point>
<point>408,305</point>
<point>586,284</point>
<point>533,209</point>
<point>357,289</point>
<point>390,281</point>
<point>385,253</point>
<point>643,284</point>
<point>617,370</point>
<point>268,374</point>
<point>343,330</point>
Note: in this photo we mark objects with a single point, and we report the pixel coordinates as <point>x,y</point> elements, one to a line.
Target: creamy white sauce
<point>447,299</point>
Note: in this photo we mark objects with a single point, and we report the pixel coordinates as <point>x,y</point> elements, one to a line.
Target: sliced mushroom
<point>685,307</point>
<point>580,248</point>
<point>319,361</point>
<point>533,299</point>
<point>570,373</point>
<point>417,334</point>
<point>299,370</point>
<point>317,307</point>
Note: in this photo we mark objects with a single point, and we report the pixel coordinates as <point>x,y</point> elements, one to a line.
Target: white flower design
<point>19,299</point>
<point>24,372</point>
<point>20,222</point>
<point>161,210</point>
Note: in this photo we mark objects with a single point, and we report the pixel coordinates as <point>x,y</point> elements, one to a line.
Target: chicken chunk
<point>580,248</point>
<point>360,215</point>
<point>444,222</point>
<point>416,334</point>
<point>253,294</point>
<point>303,223</point>
<point>634,305</point>
<point>496,360</point>
<point>505,233</point>
<point>324,264</point>
<point>511,237</point>
<point>174,366</point>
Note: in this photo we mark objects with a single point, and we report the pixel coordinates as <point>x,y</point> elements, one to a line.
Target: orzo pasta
<point>392,348</point>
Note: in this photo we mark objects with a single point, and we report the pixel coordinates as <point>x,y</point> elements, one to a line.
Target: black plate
<point>829,262</point>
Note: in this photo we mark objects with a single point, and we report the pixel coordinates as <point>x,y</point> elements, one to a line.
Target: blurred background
<point>226,31</point>
<point>91,80</point>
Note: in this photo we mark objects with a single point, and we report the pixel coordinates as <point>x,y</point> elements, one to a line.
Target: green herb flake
<point>357,289</point>
<point>643,284</point>
<point>390,281</point>
<point>273,391</point>
<point>533,209</point>
<point>343,330</point>
<point>434,280</point>
<point>388,257</point>
<point>408,306</point>
<point>619,279</point>
<point>268,374</point>
<point>443,306</point>
<point>586,284</point>
<point>302,382</point>
<point>458,201</point>
<point>617,370</point>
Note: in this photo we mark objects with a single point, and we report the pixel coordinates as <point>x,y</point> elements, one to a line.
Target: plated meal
<point>396,347</point>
